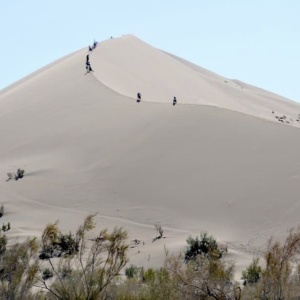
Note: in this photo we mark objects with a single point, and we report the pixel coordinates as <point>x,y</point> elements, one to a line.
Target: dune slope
<point>87,146</point>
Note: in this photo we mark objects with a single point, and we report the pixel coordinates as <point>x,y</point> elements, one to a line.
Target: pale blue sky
<point>256,41</point>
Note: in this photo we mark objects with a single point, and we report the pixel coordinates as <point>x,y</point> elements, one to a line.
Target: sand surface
<point>219,161</point>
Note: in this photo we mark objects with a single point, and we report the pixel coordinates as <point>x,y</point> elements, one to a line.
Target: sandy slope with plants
<point>228,167</point>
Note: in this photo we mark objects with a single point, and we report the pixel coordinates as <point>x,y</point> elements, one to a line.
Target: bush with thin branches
<point>279,278</point>
<point>86,274</point>
<point>19,268</point>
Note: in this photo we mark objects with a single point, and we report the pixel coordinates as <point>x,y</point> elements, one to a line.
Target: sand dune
<point>214,162</point>
<point>128,65</point>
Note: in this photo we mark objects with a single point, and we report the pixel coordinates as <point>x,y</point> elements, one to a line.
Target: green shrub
<point>88,273</point>
<point>206,245</point>
<point>47,274</point>
<point>56,244</point>
<point>68,244</point>
<point>253,273</point>
<point>149,275</point>
<point>3,243</point>
<point>131,271</point>
<point>19,271</point>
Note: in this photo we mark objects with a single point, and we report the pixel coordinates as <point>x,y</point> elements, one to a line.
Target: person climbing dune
<point>174,101</point>
<point>88,67</point>
<point>95,44</point>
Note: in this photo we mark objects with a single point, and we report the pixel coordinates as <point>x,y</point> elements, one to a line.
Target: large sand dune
<point>225,167</point>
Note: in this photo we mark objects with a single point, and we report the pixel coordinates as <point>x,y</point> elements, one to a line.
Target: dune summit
<point>127,64</point>
<point>211,163</point>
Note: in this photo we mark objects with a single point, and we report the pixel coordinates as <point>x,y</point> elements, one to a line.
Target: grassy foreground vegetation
<point>73,266</point>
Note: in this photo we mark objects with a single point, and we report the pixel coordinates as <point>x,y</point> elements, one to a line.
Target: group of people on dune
<point>89,69</point>
<point>88,63</point>
<point>139,99</point>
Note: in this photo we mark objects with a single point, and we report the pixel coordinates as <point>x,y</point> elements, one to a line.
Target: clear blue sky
<point>256,41</point>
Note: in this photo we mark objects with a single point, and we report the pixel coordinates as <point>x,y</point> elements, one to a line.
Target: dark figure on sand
<point>88,67</point>
<point>139,97</point>
<point>174,101</point>
<point>95,44</point>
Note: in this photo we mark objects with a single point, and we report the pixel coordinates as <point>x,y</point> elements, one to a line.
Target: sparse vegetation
<point>3,243</point>
<point>159,230</point>
<point>279,277</point>
<point>10,176</point>
<point>18,175</point>
<point>83,274</point>
<point>5,227</point>
<point>204,277</point>
<point>132,271</point>
<point>1,211</point>
<point>253,273</point>
<point>77,267</point>
<point>47,274</point>
<point>19,267</point>
<point>56,244</point>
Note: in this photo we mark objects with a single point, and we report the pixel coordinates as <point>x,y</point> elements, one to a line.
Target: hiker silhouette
<point>139,97</point>
<point>174,101</point>
<point>95,44</point>
<point>88,67</point>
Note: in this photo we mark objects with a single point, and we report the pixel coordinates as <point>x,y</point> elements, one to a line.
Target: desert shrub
<point>50,239</point>
<point>56,244</point>
<point>86,274</point>
<point>65,270</point>
<point>203,277</point>
<point>10,176</point>
<point>5,227</point>
<point>252,273</point>
<point>19,269</point>
<point>3,243</point>
<point>18,175</point>
<point>90,268</point>
<point>276,277</point>
<point>206,245</point>
<point>68,244</point>
<point>149,275</point>
<point>153,285</point>
<point>159,230</point>
<point>279,278</point>
<point>131,271</point>
<point>47,274</point>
